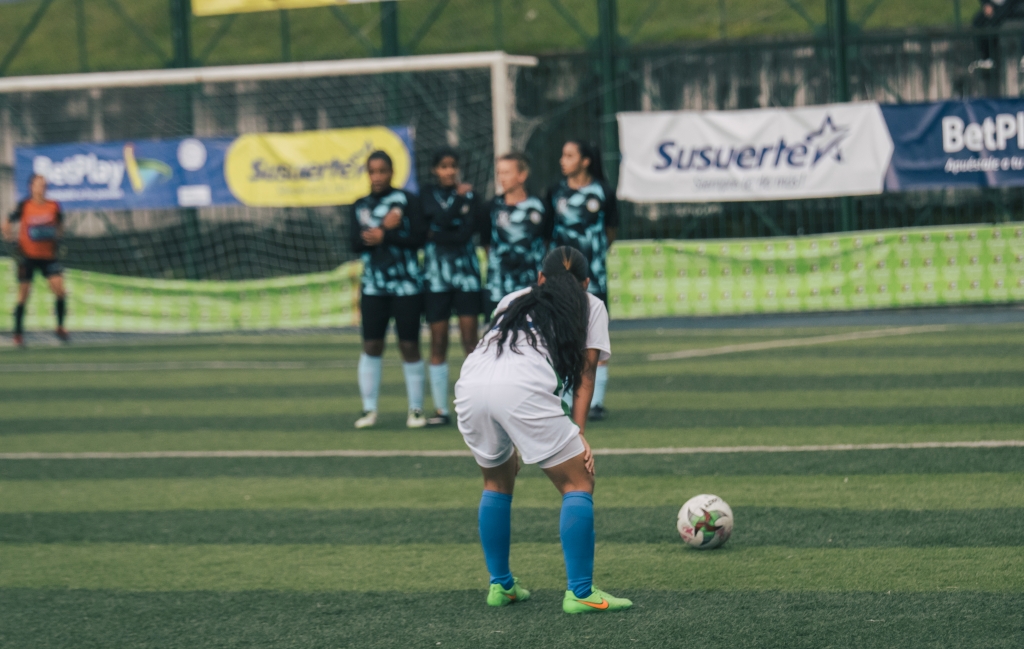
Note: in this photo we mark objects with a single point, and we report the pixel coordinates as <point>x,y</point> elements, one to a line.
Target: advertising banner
<point>216,7</point>
<point>849,271</point>
<point>976,143</point>
<point>764,154</point>
<point>304,169</point>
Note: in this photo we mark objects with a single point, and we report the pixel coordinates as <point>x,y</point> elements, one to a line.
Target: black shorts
<point>48,267</point>
<point>439,306</point>
<point>377,311</point>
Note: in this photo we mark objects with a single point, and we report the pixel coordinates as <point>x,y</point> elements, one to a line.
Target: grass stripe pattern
<point>892,547</point>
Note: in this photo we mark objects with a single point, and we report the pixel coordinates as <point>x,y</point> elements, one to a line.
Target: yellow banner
<point>217,7</point>
<point>311,168</point>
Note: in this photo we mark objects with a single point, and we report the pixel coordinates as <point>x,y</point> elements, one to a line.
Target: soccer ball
<point>705,522</point>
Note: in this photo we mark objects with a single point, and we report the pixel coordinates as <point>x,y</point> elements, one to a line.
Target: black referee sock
<point>19,319</point>
<point>61,309</point>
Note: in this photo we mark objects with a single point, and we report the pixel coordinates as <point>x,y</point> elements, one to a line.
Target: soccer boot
<point>62,334</point>
<point>19,341</point>
<point>368,420</point>
<point>439,419</point>
<point>597,601</point>
<point>416,419</point>
<point>597,413</point>
<point>498,596</point>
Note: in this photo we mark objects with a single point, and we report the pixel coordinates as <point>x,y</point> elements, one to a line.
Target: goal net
<point>465,101</point>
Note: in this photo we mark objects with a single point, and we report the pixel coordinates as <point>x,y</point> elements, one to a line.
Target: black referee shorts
<point>47,267</point>
<point>378,310</point>
<point>440,306</point>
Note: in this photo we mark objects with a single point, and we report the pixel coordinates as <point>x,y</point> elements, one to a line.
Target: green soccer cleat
<point>498,596</point>
<point>597,602</point>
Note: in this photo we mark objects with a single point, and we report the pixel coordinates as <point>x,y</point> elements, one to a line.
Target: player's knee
<point>373,347</point>
<point>410,350</point>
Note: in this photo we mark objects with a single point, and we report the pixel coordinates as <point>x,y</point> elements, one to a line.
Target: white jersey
<point>515,400</point>
<point>597,328</point>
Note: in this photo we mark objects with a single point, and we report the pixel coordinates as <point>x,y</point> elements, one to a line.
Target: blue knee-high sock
<point>600,385</point>
<point>495,520</point>
<point>415,377</point>
<point>576,527</point>
<point>439,387</point>
<point>369,380</point>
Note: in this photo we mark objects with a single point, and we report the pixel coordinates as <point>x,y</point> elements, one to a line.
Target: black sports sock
<point>61,309</point>
<point>19,319</point>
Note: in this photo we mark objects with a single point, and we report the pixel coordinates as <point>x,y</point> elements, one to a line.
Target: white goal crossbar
<point>498,62</point>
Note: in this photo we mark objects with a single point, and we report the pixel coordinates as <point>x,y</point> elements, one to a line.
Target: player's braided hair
<point>558,310</point>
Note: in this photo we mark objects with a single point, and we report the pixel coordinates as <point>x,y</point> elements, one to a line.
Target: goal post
<point>463,100</point>
<point>499,63</point>
<point>284,266</point>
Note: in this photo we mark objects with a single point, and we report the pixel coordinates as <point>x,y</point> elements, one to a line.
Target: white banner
<point>761,154</point>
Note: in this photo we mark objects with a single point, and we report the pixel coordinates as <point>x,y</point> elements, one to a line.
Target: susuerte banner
<point>764,154</point>
<point>304,169</point>
<point>820,151</point>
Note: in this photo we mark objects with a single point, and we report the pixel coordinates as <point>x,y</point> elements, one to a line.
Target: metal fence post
<point>607,41</point>
<point>389,28</point>
<point>837,22</point>
<point>181,39</point>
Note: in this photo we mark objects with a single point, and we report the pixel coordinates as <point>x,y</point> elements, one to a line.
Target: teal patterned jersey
<point>518,240</point>
<point>449,256</point>
<point>392,267</point>
<point>581,220</point>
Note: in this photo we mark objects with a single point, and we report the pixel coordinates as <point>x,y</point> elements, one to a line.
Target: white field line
<point>694,450</point>
<point>165,366</point>
<point>796,342</point>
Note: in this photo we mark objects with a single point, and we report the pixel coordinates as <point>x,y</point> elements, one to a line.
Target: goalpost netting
<point>465,101</point>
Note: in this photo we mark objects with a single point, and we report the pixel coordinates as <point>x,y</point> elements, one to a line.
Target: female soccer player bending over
<point>546,338</point>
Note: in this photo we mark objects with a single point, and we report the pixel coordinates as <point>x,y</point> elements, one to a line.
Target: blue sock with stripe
<point>576,528</point>
<point>369,380</point>
<point>600,385</point>
<point>495,521</point>
<point>439,387</point>
<point>415,377</point>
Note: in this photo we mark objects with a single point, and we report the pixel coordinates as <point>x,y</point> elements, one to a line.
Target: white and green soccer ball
<point>705,522</point>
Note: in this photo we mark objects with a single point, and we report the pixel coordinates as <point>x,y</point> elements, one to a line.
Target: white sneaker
<point>416,419</point>
<point>368,419</point>
<point>980,64</point>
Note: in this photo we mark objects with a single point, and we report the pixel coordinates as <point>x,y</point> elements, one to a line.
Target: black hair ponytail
<point>558,310</point>
<point>590,151</point>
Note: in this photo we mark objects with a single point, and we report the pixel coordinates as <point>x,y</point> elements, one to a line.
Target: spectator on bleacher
<point>991,15</point>
<point>41,226</point>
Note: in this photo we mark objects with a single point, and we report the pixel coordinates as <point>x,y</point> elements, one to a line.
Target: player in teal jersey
<point>451,270</point>
<point>517,232</point>
<point>585,216</point>
<point>387,230</point>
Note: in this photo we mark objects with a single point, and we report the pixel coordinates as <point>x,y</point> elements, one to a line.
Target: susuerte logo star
<point>826,141</point>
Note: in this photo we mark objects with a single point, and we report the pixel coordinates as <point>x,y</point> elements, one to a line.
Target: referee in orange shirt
<point>42,224</point>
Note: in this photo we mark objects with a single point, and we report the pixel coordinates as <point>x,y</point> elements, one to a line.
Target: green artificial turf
<point>431,567</point>
<point>867,548</point>
<point>294,620</point>
<point>911,491</point>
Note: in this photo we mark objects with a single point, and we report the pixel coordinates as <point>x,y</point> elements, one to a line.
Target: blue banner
<point>147,174</point>
<point>976,143</point>
<point>303,169</point>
